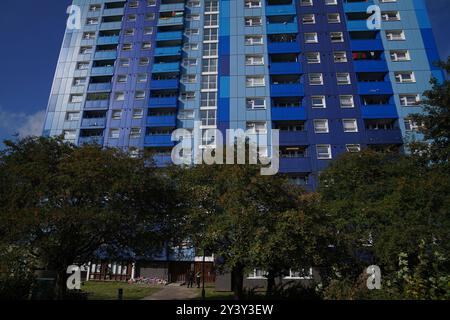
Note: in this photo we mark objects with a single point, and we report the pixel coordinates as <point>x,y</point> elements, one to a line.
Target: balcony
<point>293,138</point>
<point>276,28</point>
<point>283,47</point>
<point>174,35</point>
<point>93,123</point>
<point>164,84</point>
<point>288,113</point>
<point>162,121</point>
<point>99,87</point>
<point>292,165</point>
<point>162,160</point>
<point>168,51</point>
<point>370,66</point>
<point>91,140</point>
<point>114,12</point>
<point>285,67</point>
<point>96,104</point>
<point>278,10</point>
<point>170,21</point>
<point>159,140</point>
<point>102,71</point>
<point>368,88</point>
<point>108,40</point>
<point>377,111</point>
<point>111,26</point>
<point>171,7</point>
<point>367,45</point>
<point>286,90</point>
<point>393,136</point>
<point>105,55</point>
<point>166,67</point>
<point>167,102</point>
<point>357,25</point>
<point>357,6</point>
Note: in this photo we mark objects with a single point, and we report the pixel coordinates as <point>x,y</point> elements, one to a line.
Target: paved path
<point>174,292</point>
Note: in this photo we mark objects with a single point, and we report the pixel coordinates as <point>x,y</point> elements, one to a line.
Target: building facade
<point>133,71</point>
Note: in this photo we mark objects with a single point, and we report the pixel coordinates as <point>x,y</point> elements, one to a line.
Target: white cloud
<point>21,123</point>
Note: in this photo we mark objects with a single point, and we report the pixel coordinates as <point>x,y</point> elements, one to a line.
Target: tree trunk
<point>238,282</point>
<point>270,282</point>
<point>61,285</point>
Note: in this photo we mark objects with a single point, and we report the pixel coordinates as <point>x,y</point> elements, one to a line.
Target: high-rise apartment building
<point>131,72</point>
<point>136,70</point>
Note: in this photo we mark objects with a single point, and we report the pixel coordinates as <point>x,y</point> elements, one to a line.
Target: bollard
<point>120,295</point>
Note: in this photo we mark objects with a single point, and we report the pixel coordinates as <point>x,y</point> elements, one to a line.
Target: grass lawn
<point>212,294</point>
<point>109,290</point>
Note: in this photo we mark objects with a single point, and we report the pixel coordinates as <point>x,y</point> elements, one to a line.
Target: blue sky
<point>31,33</point>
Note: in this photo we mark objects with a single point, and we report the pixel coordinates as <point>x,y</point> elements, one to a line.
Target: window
<point>257,127</point>
<point>321,126</point>
<point>353,147</point>
<point>127,46</point>
<point>209,82</point>
<point>79,81</point>
<point>92,21</point>
<point>116,114</point>
<point>131,18</point>
<point>141,78</point>
<point>86,50</point>
<point>209,65</point>
<point>70,135</point>
<point>315,79</point>
<point>146,45</point>
<point>334,18</point>
<point>330,2</point>
<point>72,116</point>
<point>343,78</point>
<point>253,40</point>
<point>129,32</point>
<point>191,46</point>
<point>340,56</point>
<point>89,35</point>
<point>395,35</point>
<point>404,77</point>
<point>138,113</point>
<point>210,50</point>
<point>311,37</point>
<point>124,63</point>
<point>300,275</point>
<point>148,31</point>
<point>189,62</point>
<point>139,95</point>
<point>390,16</point>
<point>95,7</point>
<point>323,151</point>
<point>408,100</point>
<point>135,133</point>
<point>346,101</point>
<point>253,4</point>
<point>253,21</point>
<point>122,78</point>
<point>144,61</point>
<point>313,57</point>
<point>119,96</point>
<point>411,125</point>
<point>114,133</point>
<point>82,65</point>
<point>255,81</point>
<point>76,98</point>
<point>306,2</point>
<point>337,37</point>
<point>254,60</point>
<point>257,274</point>
<point>188,95</point>
<point>256,103</point>
<point>309,18</point>
<point>318,102</point>
<point>189,78</point>
<point>400,55</point>
<point>350,125</point>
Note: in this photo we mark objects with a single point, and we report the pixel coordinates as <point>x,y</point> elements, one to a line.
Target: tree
<point>384,206</point>
<point>62,203</point>
<point>435,119</point>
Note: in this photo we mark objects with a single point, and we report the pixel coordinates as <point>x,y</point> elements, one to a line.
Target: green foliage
<point>61,203</point>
